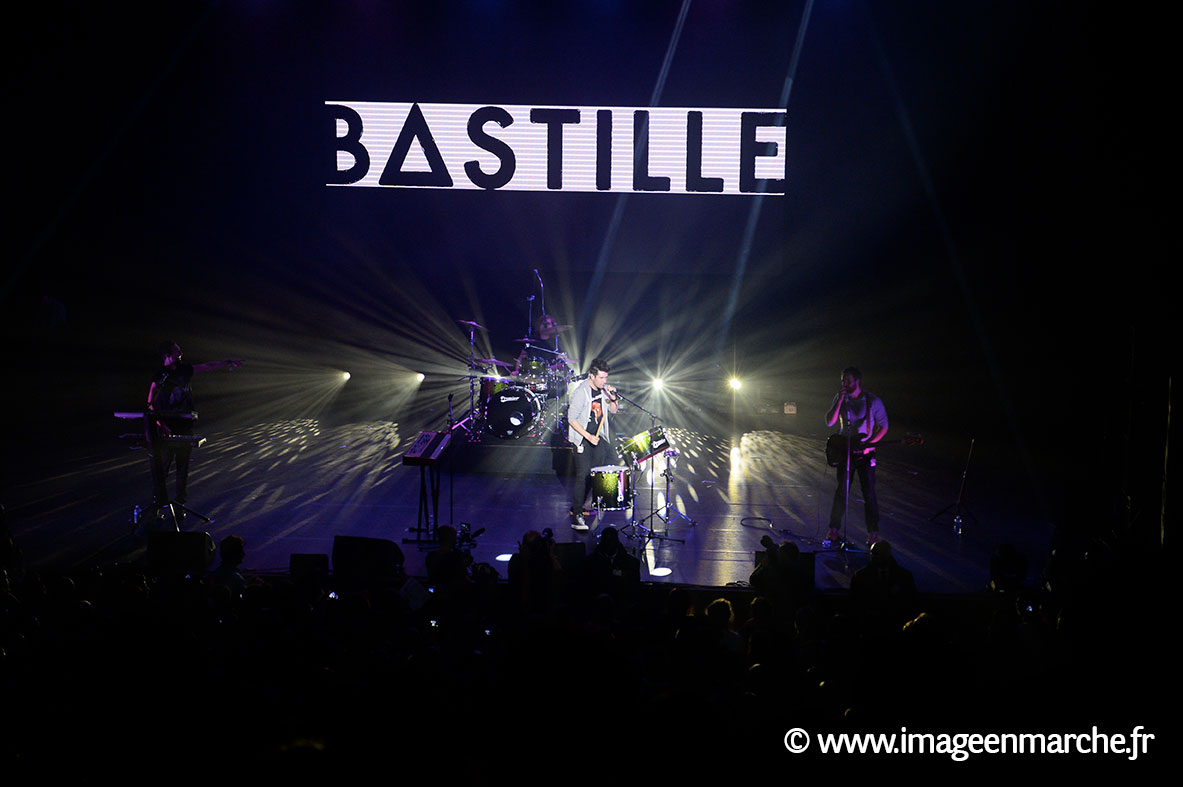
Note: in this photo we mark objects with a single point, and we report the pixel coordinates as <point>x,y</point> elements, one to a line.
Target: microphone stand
<point>671,464</point>
<point>847,417</point>
<point>541,293</point>
<point>472,414</point>
<point>959,507</point>
<point>451,467</point>
<point>636,528</point>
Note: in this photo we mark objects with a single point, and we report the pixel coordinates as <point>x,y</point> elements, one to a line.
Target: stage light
<point>657,383</point>
<point>344,376</point>
<point>504,557</point>
<point>661,571</point>
<point>419,377</point>
<point>735,383</point>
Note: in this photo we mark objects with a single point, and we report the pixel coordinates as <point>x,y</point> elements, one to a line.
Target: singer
<point>587,419</point>
<point>863,421</point>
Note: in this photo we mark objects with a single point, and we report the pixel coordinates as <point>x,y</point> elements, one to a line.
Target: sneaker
<point>833,538</point>
<point>872,538</point>
<point>578,522</point>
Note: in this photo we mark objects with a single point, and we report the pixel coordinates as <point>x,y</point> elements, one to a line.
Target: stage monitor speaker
<point>570,555</point>
<point>366,561</point>
<point>804,566</point>
<point>178,554</point>
<point>306,566</point>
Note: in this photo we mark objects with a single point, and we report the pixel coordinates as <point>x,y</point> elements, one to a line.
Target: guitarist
<point>587,429</point>
<point>863,421</point>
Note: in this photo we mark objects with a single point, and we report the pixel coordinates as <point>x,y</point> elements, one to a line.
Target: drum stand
<point>636,528</point>
<point>650,534</point>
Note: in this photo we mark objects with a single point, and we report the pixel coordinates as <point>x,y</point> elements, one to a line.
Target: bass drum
<point>512,411</point>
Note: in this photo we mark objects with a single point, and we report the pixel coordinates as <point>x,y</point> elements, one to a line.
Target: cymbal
<point>493,362</point>
<point>472,324</point>
<point>535,340</point>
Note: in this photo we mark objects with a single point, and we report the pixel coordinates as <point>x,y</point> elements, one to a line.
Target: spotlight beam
<point>618,212</point>
<point>741,261</point>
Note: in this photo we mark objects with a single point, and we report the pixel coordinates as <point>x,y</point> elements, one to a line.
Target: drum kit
<point>613,485</point>
<point>514,402</point>
<point>527,401</point>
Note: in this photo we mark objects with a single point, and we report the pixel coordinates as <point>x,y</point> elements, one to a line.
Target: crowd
<point>563,659</point>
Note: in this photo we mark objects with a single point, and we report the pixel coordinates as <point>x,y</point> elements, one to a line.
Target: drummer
<point>535,359</point>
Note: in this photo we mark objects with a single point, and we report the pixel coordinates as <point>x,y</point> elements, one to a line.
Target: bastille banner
<point>657,150</point>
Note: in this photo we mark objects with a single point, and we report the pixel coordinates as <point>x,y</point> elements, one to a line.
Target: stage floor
<point>292,486</point>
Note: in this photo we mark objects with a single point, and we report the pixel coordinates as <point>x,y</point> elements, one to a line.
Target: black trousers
<point>591,456</point>
<point>865,470</point>
<point>161,459</point>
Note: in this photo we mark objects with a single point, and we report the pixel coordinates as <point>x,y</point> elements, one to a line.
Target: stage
<point>291,487</point>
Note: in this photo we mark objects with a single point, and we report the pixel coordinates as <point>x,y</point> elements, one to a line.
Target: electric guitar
<point>836,446</point>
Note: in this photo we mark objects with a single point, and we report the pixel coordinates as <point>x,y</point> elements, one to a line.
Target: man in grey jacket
<point>587,429</point>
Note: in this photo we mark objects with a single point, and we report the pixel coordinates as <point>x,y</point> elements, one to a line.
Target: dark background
<point>976,215</point>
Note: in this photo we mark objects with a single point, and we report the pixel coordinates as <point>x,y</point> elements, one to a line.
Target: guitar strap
<point>854,434</point>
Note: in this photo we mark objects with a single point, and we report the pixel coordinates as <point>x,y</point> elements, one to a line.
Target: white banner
<point>661,150</point>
